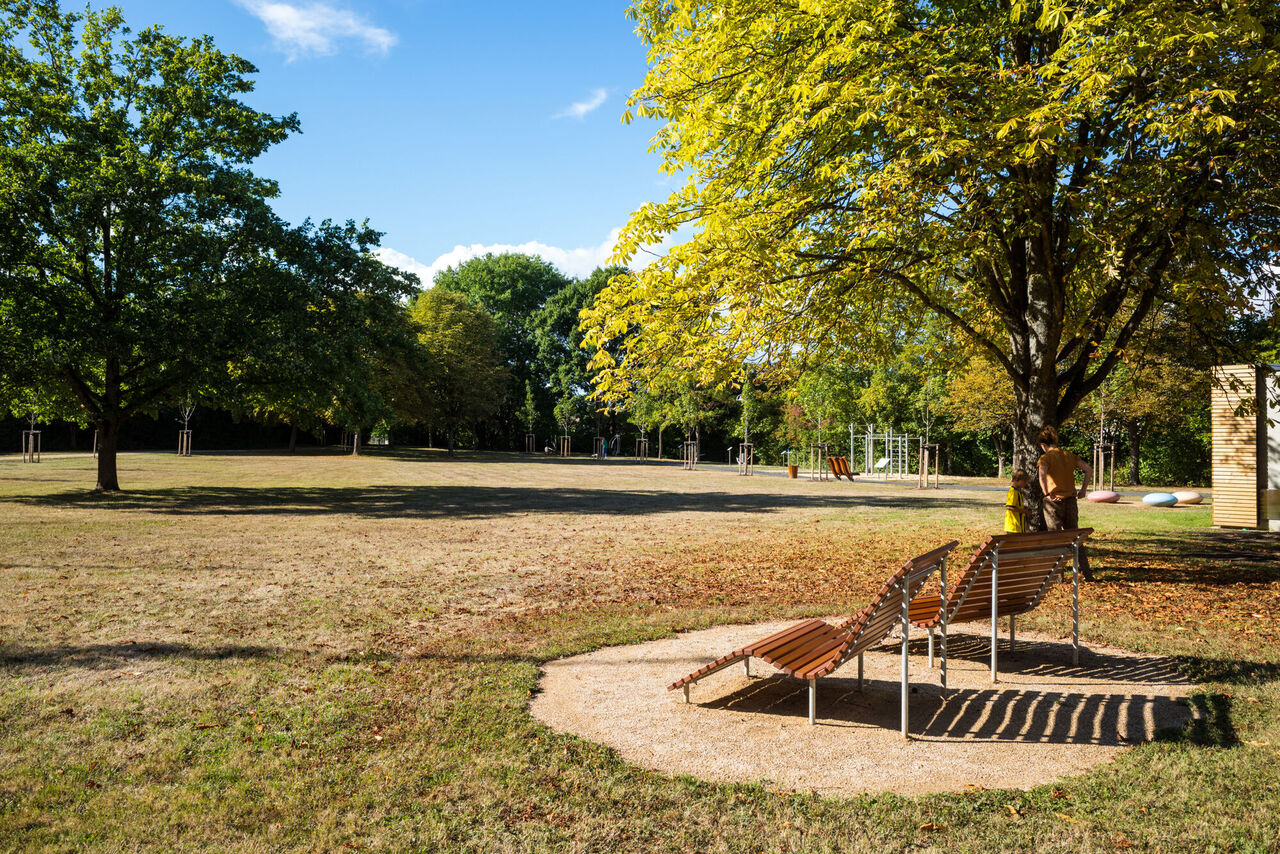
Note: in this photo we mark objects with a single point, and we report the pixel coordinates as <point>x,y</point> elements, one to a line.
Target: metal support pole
<point>942,568</point>
<point>1075,603</point>
<point>746,666</point>
<point>859,671</point>
<point>906,662</point>
<point>813,701</point>
<point>1011,632</point>
<point>686,692</point>
<point>995,604</point>
<point>931,649</point>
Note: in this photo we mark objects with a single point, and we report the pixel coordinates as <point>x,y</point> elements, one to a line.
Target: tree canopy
<point>139,258</point>
<point>1038,175</point>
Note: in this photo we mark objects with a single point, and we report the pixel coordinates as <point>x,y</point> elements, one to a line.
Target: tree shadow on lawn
<point>1217,558</point>
<point>467,502</point>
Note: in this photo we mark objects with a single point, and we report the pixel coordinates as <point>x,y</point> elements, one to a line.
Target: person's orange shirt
<point>1059,469</point>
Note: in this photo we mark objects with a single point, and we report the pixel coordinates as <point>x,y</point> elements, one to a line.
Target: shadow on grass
<point>109,656</point>
<point>466,502</point>
<point>1191,557</point>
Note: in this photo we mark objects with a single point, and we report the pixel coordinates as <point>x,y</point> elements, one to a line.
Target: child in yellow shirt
<point>1015,515</point>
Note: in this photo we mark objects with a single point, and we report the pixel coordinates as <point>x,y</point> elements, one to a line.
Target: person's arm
<point>1088,476</point>
<point>1044,480</point>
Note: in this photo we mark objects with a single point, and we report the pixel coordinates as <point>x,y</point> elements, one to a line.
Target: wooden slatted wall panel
<point>1236,476</point>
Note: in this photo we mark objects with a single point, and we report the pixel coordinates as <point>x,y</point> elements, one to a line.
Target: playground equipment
<point>746,459</point>
<point>893,449</point>
<point>530,443</point>
<point>929,454</point>
<point>1104,467</point>
<point>31,442</point>
<point>691,455</point>
<point>1245,406</point>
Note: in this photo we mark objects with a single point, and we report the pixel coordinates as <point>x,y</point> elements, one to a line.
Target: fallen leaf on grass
<point>930,826</point>
<point>1066,817</point>
<point>1013,810</point>
<point>207,726</point>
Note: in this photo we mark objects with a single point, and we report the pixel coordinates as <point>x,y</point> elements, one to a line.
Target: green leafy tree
<point>1038,175</point>
<point>512,288</point>
<point>465,372</point>
<point>131,230</point>
<point>342,349</point>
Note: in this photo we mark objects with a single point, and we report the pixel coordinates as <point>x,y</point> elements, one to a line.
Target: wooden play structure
<point>1246,449</point>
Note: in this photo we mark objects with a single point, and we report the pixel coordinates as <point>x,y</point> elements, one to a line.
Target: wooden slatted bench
<point>1007,576</point>
<point>815,648</point>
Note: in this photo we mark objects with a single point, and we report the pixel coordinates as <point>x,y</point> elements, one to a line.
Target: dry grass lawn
<point>257,652</point>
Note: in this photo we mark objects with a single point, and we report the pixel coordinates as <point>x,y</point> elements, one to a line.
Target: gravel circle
<point>1045,718</point>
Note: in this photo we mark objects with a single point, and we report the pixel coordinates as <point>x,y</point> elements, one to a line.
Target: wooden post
<point>642,449</point>
<point>690,455</point>
<point>565,445</point>
<point>746,459</point>
<point>184,443</point>
<point>599,448</point>
<point>530,443</point>
<point>31,446</point>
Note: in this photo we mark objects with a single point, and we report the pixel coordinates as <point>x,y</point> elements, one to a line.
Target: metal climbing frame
<point>886,454</point>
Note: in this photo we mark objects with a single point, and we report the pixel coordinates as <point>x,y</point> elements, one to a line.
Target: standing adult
<point>1058,483</point>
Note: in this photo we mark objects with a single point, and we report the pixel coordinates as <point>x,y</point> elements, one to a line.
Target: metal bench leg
<point>1011,632</point>
<point>995,606</point>
<point>686,692</point>
<point>931,649</point>
<point>813,701</point>
<point>906,663</point>
<point>1075,604</point>
<point>859,671</point>
<point>746,665</point>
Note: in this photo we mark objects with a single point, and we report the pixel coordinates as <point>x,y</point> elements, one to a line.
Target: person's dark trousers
<point>1064,515</point>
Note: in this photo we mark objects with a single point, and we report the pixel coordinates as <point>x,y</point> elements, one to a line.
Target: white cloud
<point>316,28</point>
<point>581,108</point>
<point>577,263</point>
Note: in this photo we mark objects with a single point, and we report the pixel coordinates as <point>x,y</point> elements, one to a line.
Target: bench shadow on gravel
<point>1011,711</point>
<point>466,502</point>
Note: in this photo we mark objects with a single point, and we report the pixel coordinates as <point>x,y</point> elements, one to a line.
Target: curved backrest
<point>874,622</point>
<point>1025,565</point>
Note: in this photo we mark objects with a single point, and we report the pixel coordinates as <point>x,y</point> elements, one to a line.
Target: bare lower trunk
<point>108,441</point>
<point>1135,432</point>
<point>293,437</point>
<point>452,430</point>
<point>999,444</point>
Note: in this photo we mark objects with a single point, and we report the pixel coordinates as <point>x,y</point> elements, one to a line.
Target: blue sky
<point>454,127</point>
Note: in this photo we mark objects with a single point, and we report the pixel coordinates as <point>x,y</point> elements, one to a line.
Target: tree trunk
<point>452,430</point>
<point>108,440</point>
<point>1135,430</point>
<point>660,429</point>
<point>293,437</point>
<point>355,442</point>
<point>999,443</point>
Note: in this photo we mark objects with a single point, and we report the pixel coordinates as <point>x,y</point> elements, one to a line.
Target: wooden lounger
<point>1008,575</point>
<point>840,467</point>
<point>815,648</point>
